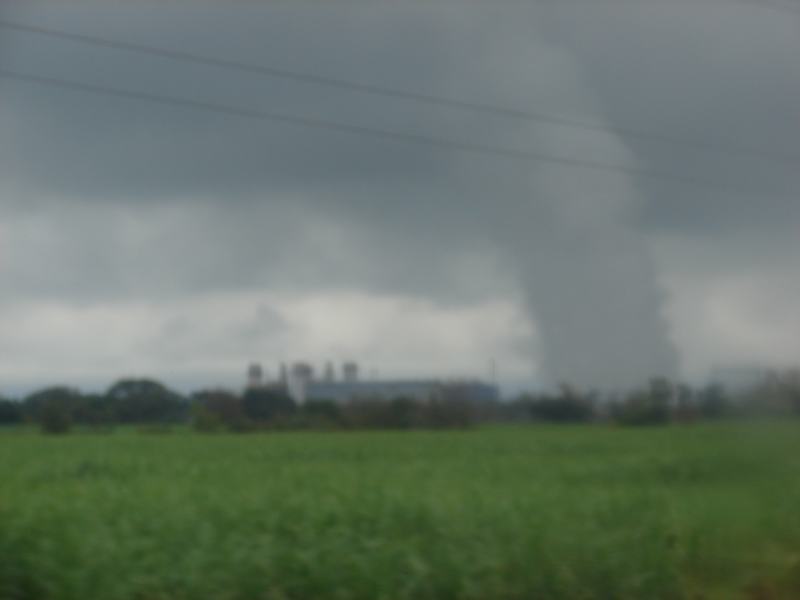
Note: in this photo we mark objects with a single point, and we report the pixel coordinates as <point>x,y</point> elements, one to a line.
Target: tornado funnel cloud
<point>593,293</point>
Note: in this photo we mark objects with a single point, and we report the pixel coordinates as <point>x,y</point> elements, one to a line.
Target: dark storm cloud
<point>212,152</point>
<point>639,79</point>
<point>183,201</point>
<point>723,75</point>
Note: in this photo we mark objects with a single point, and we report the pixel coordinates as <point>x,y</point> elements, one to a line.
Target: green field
<point>704,511</point>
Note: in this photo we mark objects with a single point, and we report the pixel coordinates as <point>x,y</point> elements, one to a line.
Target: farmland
<point>704,511</point>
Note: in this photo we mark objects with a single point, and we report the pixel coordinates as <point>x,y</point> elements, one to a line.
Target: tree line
<point>129,401</point>
<point>662,402</point>
<point>152,406</point>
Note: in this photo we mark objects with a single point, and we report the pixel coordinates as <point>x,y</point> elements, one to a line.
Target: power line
<point>363,131</point>
<point>388,92</point>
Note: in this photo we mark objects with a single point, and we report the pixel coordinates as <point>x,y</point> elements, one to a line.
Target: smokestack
<point>284,375</point>
<point>255,376</point>
<point>350,372</point>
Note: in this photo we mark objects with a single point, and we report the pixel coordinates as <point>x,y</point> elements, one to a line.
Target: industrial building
<point>304,386</point>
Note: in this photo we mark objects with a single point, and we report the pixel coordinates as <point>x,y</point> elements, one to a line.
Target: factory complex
<point>304,385</point>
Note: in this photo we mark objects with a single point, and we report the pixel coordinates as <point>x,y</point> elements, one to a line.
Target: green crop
<point>705,511</point>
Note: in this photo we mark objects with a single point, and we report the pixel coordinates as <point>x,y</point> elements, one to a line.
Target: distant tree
<point>94,410</point>
<point>443,411</point>
<point>204,420</point>
<point>447,412</point>
<point>661,393</point>
<point>713,402</point>
<point>400,413</point>
<point>145,401</point>
<point>520,408</point>
<point>53,399</point>
<point>569,406</point>
<point>267,403</point>
<point>364,413</point>
<point>54,417</point>
<point>651,406</point>
<point>794,399</point>
<point>215,409</point>
<point>226,405</point>
<point>777,395</point>
<point>786,390</point>
<point>322,413</point>
<point>685,409</point>
<point>10,412</point>
<point>403,413</point>
<point>455,406</point>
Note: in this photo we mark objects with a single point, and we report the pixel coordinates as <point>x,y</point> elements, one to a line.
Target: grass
<point>705,511</point>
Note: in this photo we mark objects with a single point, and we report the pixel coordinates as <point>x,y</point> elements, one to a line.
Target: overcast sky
<point>138,238</point>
